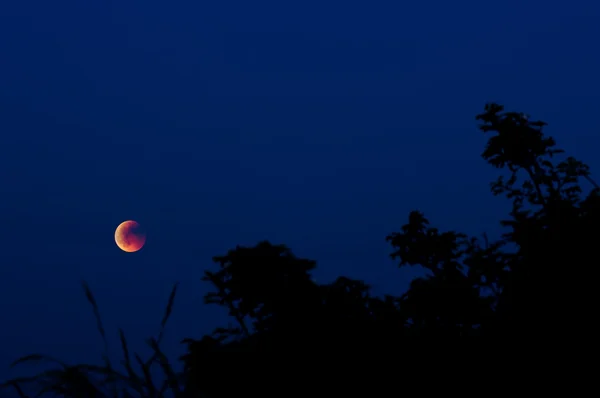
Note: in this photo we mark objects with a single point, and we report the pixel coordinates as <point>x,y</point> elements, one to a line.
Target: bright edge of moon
<point>129,236</point>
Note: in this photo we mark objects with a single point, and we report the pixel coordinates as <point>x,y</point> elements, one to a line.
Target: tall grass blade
<point>172,379</point>
<point>168,311</point>
<point>99,325</point>
<point>164,321</point>
<point>106,358</point>
<point>135,380</point>
<point>147,377</point>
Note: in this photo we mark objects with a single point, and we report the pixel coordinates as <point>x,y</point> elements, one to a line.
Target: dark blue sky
<point>315,124</point>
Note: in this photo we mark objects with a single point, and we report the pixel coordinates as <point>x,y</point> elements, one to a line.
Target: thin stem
<point>591,181</point>
<point>232,309</point>
<point>536,184</point>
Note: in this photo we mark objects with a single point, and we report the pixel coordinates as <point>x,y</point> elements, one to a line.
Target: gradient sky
<point>315,124</point>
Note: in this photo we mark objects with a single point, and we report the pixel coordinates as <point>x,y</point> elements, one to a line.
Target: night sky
<point>319,125</point>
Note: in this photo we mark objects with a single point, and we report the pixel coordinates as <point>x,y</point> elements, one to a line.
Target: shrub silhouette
<point>532,281</point>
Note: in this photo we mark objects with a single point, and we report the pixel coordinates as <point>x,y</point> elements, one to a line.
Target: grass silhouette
<point>85,380</point>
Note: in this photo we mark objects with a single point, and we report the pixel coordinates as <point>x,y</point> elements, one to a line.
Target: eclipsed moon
<point>129,236</point>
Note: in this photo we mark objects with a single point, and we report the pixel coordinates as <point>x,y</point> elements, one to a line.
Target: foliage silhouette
<point>532,281</point>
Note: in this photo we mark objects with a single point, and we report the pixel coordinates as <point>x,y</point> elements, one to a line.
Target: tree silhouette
<point>551,225</point>
<point>535,280</point>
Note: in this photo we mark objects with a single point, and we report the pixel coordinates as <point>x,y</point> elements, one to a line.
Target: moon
<point>129,236</point>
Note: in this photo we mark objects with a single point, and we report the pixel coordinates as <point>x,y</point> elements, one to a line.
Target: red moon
<point>129,236</point>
